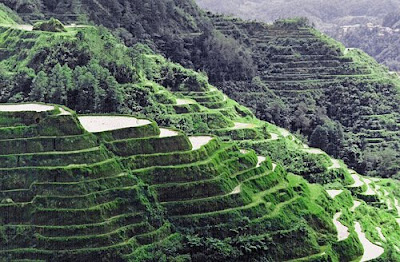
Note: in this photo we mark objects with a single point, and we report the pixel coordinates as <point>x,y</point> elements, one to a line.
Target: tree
<point>39,85</point>
<point>60,81</point>
<point>86,93</point>
<point>23,81</point>
<point>113,97</point>
<point>52,25</point>
<point>319,137</point>
<point>328,137</point>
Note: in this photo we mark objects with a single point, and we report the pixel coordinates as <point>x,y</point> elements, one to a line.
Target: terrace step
<point>107,225</point>
<point>22,177</point>
<point>167,141</point>
<point>82,201</point>
<point>46,144</point>
<point>54,159</point>
<point>94,240</point>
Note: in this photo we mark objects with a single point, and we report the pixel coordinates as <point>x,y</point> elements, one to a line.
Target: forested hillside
<point>242,59</point>
<point>346,21</point>
<point>175,27</point>
<point>200,179</point>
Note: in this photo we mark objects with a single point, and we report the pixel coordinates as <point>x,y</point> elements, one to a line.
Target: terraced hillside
<point>251,199</point>
<point>288,74</point>
<point>64,195</point>
<point>70,194</point>
<point>345,188</point>
<point>340,99</point>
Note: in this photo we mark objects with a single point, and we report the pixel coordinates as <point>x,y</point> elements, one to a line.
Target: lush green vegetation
<point>311,84</point>
<point>7,16</point>
<point>287,73</point>
<point>53,25</point>
<point>237,188</point>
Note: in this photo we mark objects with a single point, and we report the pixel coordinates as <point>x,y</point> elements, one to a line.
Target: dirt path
<point>167,132</point>
<point>184,101</point>
<point>236,190</point>
<point>63,112</point>
<point>389,204</point>
<point>369,191</point>
<point>335,164</point>
<point>381,234</point>
<point>260,160</point>
<point>355,205</point>
<point>396,204</point>
<point>357,180</point>
<point>284,132</point>
<point>316,151</point>
<point>243,125</point>
<point>274,136</point>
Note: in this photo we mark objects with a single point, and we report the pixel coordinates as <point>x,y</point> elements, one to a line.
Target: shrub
<point>52,25</point>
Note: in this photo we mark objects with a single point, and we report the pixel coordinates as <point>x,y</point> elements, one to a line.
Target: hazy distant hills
<point>345,20</point>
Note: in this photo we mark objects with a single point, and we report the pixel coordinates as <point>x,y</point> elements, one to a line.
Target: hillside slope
<point>164,25</point>
<point>340,99</point>
<point>368,25</point>
<point>253,63</point>
<point>237,188</point>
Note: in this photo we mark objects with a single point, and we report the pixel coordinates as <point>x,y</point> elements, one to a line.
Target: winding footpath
<point>333,193</point>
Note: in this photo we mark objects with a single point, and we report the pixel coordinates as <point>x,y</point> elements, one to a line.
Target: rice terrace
<point>159,131</point>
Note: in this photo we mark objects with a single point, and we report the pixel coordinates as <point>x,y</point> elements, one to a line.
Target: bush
<point>52,25</point>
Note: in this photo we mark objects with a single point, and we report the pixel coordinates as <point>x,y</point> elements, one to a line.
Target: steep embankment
<point>70,194</point>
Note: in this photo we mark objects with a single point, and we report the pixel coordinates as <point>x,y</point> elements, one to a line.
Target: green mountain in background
<point>228,186</point>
